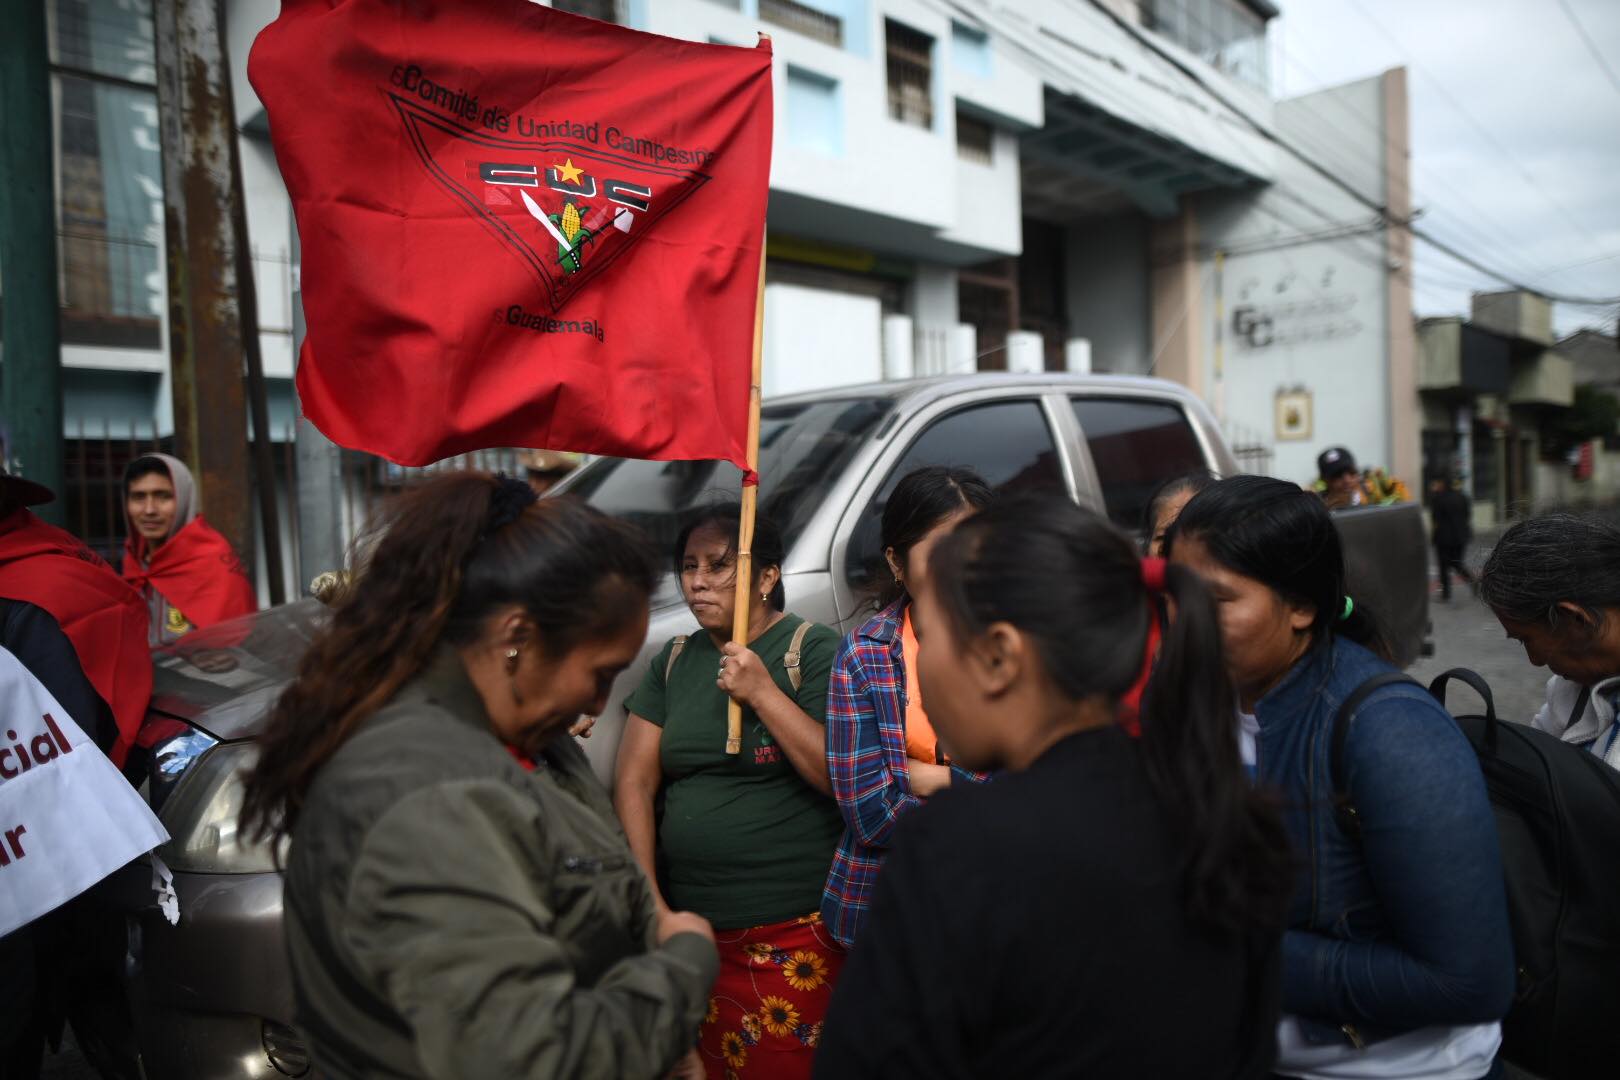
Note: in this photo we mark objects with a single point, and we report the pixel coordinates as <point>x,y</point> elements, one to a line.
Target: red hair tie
<point>1153,571</point>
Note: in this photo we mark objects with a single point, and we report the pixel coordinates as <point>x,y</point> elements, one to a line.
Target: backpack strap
<point>674,655</point>
<point>1344,811</point>
<point>790,659</point>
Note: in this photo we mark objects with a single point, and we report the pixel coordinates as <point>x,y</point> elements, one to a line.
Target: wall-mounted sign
<point>1294,420</point>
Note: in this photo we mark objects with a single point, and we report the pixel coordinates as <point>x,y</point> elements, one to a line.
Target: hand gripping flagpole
<point>750,502</point>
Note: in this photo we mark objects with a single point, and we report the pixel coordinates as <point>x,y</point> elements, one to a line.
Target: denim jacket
<point>1407,926</point>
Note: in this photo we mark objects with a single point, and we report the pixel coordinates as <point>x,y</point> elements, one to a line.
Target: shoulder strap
<point>790,659</point>
<point>1580,706</point>
<point>674,655</point>
<point>1344,810</point>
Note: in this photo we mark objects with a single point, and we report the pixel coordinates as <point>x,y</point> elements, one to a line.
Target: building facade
<point>972,185</point>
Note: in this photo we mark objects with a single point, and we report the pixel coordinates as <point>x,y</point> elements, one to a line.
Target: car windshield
<point>802,451</point>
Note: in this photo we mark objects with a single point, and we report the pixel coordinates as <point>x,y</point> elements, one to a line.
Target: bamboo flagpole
<point>750,505</point>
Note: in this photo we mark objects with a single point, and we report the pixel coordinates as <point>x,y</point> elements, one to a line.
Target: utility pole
<point>320,468</point>
<point>30,326</point>
<point>213,315</point>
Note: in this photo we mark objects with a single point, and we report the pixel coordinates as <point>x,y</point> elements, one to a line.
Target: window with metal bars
<point>911,74</point>
<point>803,19</point>
<point>975,139</point>
<point>607,10</point>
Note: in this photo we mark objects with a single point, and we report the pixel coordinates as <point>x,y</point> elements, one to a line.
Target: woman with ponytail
<point>1397,962</point>
<point>460,901</point>
<point>1110,907</point>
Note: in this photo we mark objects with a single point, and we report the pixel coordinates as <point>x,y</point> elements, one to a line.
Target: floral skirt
<point>769,1000</point>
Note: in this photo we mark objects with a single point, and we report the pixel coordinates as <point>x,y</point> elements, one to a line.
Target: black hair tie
<point>511,497</point>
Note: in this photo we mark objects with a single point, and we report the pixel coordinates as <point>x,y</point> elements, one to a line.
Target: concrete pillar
<point>1077,356</point>
<point>1405,408</point>
<point>898,360</point>
<point>1026,352</point>
<point>1178,319</point>
<point>964,349</point>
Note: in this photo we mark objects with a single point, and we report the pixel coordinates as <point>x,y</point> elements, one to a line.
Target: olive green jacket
<point>453,915</point>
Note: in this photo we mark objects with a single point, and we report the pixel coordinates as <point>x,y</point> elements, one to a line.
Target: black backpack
<point>1558,819</point>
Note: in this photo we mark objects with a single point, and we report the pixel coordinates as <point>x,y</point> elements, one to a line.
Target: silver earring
<point>511,654</point>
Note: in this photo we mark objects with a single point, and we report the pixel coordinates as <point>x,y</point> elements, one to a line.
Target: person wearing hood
<point>188,573</point>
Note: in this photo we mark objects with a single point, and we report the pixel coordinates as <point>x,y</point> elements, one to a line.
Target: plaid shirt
<point>866,760</point>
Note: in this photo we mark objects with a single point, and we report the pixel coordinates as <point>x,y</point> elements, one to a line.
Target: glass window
<point>970,50</point>
<point>802,450</point>
<point>815,121</point>
<point>110,187</point>
<point>910,56</point>
<point>975,139</point>
<point>804,19</point>
<point>1136,446</point>
<point>1006,442</point>
<point>607,10</point>
<point>104,37</point>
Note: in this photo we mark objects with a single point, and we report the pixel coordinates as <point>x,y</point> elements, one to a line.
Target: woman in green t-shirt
<point>743,839</point>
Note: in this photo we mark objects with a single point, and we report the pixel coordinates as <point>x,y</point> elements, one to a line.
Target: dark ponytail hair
<point>441,558</point>
<point>1074,585</point>
<point>1283,537</point>
<point>726,516</point>
<point>920,501</point>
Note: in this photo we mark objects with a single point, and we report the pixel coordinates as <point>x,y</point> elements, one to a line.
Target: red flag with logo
<point>519,227</point>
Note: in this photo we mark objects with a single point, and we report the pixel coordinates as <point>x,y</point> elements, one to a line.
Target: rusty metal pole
<point>213,329</point>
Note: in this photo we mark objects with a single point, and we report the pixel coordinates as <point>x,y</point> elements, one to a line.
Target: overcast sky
<point>1515,133</point>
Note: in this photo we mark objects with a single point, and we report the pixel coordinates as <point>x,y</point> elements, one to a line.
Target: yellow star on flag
<point>568,172</point>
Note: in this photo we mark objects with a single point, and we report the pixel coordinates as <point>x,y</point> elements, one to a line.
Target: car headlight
<point>170,760</point>
<point>201,817</point>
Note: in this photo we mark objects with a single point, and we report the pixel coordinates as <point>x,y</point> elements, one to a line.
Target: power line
<point>1591,46</point>
<point>1325,172</point>
<point>1484,132</point>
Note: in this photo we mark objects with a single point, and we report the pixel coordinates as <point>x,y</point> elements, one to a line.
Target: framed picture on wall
<point>1294,419</point>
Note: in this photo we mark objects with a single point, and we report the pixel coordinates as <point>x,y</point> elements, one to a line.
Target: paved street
<point>1467,635</point>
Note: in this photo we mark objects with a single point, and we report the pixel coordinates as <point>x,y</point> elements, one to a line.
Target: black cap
<point>1334,461</point>
<point>22,492</point>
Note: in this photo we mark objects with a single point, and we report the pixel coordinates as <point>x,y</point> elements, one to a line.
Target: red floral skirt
<point>769,1001</point>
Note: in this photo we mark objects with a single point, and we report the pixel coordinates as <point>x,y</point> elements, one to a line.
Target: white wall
<point>1318,307</point>
<point>819,338</point>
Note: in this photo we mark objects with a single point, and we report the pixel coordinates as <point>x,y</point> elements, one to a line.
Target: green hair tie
<point>1349,606</point>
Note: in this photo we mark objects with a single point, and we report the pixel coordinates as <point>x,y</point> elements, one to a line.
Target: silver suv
<point>828,461</point>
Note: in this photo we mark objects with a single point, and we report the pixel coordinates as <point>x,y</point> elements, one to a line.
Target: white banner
<point>68,818</point>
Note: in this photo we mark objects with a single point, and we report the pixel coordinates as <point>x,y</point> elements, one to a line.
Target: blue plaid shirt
<point>866,761</point>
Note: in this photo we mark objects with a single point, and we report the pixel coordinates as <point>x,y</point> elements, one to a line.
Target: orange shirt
<point>921,742</point>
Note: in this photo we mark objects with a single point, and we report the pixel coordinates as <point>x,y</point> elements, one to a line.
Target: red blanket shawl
<point>101,615</point>
<point>197,571</point>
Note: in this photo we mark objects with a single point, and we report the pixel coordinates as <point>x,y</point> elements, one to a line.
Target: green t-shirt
<point>745,840</point>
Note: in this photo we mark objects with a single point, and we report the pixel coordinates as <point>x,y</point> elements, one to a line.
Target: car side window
<point>1136,446</point>
<point>1006,442</point>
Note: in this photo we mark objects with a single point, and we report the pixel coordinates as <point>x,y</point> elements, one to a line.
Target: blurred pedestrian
<point>1554,584</point>
<point>743,839</point>
<point>1452,516</point>
<point>1397,962</point>
<point>882,753</point>
<point>1166,505</point>
<point>460,901</point>
<point>1343,486</point>
<point>1109,906</point>
<point>188,573</point>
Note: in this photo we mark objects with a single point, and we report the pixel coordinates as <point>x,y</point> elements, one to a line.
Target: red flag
<point>196,570</point>
<point>519,227</point>
<point>101,615</point>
